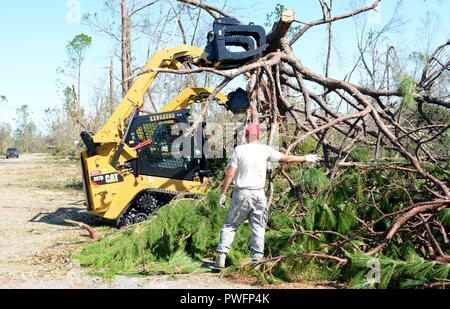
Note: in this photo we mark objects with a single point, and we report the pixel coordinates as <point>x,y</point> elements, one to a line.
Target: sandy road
<point>36,195</point>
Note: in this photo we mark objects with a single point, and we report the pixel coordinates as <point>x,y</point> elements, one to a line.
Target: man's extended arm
<point>299,159</point>
<point>229,174</point>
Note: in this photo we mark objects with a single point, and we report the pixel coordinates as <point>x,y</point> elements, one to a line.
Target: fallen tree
<point>383,194</point>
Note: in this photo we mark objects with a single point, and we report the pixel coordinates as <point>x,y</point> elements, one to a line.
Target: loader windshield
<point>162,157</point>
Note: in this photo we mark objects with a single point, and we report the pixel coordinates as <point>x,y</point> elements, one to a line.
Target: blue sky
<point>34,35</point>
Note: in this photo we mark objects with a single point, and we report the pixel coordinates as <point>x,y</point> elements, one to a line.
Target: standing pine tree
<point>26,129</point>
<point>76,50</point>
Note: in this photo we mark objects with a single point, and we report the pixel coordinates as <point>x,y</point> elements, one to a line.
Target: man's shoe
<point>220,260</point>
<point>256,264</point>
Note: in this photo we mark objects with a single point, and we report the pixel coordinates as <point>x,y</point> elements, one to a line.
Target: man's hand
<point>222,200</point>
<point>300,159</point>
<point>311,158</point>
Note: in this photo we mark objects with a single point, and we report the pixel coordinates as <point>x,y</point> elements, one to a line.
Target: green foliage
<point>186,231</point>
<point>440,171</point>
<point>275,15</point>
<point>187,226</point>
<point>407,88</point>
<point>444,216</point>
<point>77,47</point>
<point>3,99</point>
<point>308,146</point>
<point>217,168</point>
<point>6,138</point>
<point>346,219</point>
<point>335,206</point>
<point>312,179</point>
<point>69,98</point>
<point>361,154</point>
<point>447,139</point>
<point>413,271</point>
<point>419,57</point>
<point>279,221</point>
<point>26,129</point>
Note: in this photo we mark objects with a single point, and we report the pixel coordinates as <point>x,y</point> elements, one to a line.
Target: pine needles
<point>167,243</point>
<point>323,226</point>
<point>407,88</point>
<point>409,273</point>
<point>173,242</point>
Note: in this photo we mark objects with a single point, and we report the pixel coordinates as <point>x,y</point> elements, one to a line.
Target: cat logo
<point>109,178</point>
<point>106,179</point>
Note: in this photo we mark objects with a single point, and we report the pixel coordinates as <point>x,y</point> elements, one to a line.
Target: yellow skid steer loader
<point>129,167</point>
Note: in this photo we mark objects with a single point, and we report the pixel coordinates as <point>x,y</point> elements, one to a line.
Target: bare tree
<point>76,49</point>
<point>111,87</point>
<point>378,117</point>
<point>126,48</point>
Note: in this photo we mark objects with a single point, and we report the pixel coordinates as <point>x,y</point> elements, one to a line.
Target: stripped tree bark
<point>92,233</point>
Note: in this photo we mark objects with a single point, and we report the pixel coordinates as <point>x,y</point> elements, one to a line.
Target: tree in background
<point>64,121</point>
<point>384,193</point>
<point>6,139</point>
<point>62,124</point>
<point>126,48</point>
<point>76,50</point>
<point>136,26</point>
<point>26,129</point>
<point>3,99</point>
<point>69,103</point>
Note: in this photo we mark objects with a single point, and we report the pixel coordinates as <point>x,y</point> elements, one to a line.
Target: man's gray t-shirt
<point>250,161</point>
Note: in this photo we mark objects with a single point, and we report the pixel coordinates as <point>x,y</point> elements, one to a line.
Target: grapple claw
<point>228,33</point>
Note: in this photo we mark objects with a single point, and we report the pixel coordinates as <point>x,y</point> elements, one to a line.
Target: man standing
<point>247,169</point>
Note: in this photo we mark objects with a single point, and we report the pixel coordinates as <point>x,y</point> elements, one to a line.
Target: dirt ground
<point>37,192</point>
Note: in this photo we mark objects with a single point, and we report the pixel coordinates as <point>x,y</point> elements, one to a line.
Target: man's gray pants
<point>251,205</point>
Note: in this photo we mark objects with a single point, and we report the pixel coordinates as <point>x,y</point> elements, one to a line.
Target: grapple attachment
<point>228,34</point>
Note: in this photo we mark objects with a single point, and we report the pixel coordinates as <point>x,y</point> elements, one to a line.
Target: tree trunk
<point>126,49</point>
<point>279,30</point>
<point>77,101</point>
<point>26,138</point>
<point>327,13</point>
<point>111,87</point>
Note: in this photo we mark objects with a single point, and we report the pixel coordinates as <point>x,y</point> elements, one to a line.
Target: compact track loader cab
<point>152,178</point>
<point>134,165</point>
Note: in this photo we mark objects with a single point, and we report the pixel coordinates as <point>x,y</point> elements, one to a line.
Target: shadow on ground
<point>75,213</point>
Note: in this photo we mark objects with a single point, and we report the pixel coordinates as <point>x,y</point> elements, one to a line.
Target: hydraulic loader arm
<point>226,33</point>
<point>192,95</point>
<point>172,58</point>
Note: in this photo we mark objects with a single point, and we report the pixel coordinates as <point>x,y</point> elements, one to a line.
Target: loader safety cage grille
<point>159,157</point>
<point>159,152</point>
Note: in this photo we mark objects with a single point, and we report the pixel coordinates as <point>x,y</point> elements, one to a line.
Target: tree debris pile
<point>319,231</point>
<point>375,215</point>
<point>182,230</point>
